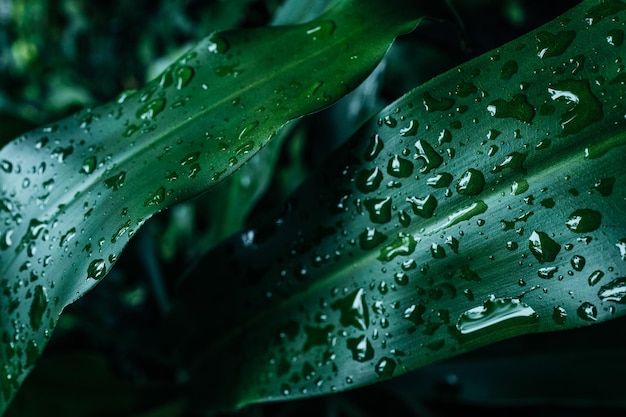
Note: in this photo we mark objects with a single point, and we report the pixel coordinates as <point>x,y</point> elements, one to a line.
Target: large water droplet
<point>513,161</point>
<point>116,181</point>
<point>595,277</point>
<point>584,221</point>
<point>379,209</point>
<point>604,186</point>
<point>437,104</point>
<point>151,109</point>
<point>471,182</point>
<point>440,180</point>
<point>385,367</point>
<point>549,44</point>
<point>353,310</point>
<point>361,348</point>
<point>217,44</point>
<point>371,238</point>
<point>614,291</point>
<point>156,197</point>
<point>496,314</point>
<point>89,165</point>
<point>183,75</point>
<point>96,269</point>
<point>559,315</point>
<point>399,167</point>
<point>587,311</point>
<point>427,154</point>
<point>603,10</point>
<point>424,207</point>
<point>508,70</point>
<point>320,30</point>
<point>583,106</point>
<point>578,262</point>
<point>466,213</point>
<point>369,180</point>
<point>403,245</point>
<point>6,166</point>
<point>518,108</point>
<point>544,248</point>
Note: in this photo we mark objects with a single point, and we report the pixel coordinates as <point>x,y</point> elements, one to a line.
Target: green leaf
<point>73,193</point>
<point>485,204</point>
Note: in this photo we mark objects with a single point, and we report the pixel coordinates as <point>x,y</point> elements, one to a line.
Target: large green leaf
<point>485,204</point>
<point>74,192</point>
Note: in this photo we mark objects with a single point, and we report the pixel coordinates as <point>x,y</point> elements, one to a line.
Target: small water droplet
<point>61,153</point>
<point>320,30</point>
<point>437,104</point>
<point>89,165</point>
<point>604,186</point>
<point>424,207</point>
<point>96,269</point>
<point>403,245</point>
<point>155,197</point>
<point>547,272</point>
<point>151,109</point>
<point>578,262</point>
<point>361,348</point>
<point>116,181</point>
<point>559,315</point>
<point>427,154</point>
<point>6,166</point>
<point>371,238</point>
<point>595,277</point>
<point>217,44</point>
<point>183,75</point>
<point>411,129</point>
<point>38,307</point>
<point>440,180</point>
<point>373,148</point>
<point>369,180</point>
<point>399,167</point>
<point>437,251</point>
<point>385,367</point>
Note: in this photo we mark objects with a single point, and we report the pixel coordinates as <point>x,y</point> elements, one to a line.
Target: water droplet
<point>61,153</point>
<point>385,367</point>
<point>519,187</point>
<point>411,129</point>
<point>509,69</point>
<point>578,262</point>
<point>371,238</point>
<point>547,272</point>
<point>587,311</point>
<point>38,307</point>
<point>604,186</point>
<point>428,155</point>
<point>404,218</point>
<point>437,251</point>
<point>513,161</point>
<point>320,30</point>
<point>471,182</point>
<point>6,166</point>
<point>89,165</point>
<point>361,348</point>
<point>559,315</point>
<point>464,89</point>
<point>190,158</point>
<point>440,180</point>
<point>615,37</point>
<point>401,278</point>
<point>96,269</point>
<point>549,44</point>
<point>183,75</point>
<point>403,245</point>
<point>373,148</point>
<point>437,104</point>
<point>217,44</point>
<point>614,291</point>
<point>604,9</point>
<point>116,181</point>
<point>151,109</point>
<point>156,197</point>
<point>595,277</point>
<point>399,167</point>
<point>35,229</point>
<point>584,221</point>
<point>496,314</point>
<point>544,248</point>
<point>466,213</point>
<point>379,209</point>
<point>424,207</point>
<point>369,180</point>
<point>621,246</point>
<point>414,314</point>
<point>518,108</point>
<point>353,310</point>
<point>583,106</point>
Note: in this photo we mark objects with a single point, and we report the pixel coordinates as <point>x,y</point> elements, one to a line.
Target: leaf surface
<point>73,193</point>
<point>485,204</point>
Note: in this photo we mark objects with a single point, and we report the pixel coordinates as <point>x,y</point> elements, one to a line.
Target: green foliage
<point>482,205</point>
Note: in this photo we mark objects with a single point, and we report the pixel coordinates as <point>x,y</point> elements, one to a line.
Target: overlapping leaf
<point>487,203</point>
<point>74,192</point>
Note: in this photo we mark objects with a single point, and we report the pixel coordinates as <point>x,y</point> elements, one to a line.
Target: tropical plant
<point>484,204</point>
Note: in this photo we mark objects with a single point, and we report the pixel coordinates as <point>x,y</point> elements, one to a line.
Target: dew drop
<point>583,106</point>
<point>38,307</point>
<point>544,248</point>
<point>587,311</point>
<point>559,315</point>
<point>385,367</point>
<point>399,167</point>
<point>471,182</point>
<point>96,269</point>
<point>369,180</point>
<point>151,109</point>
<point>371,238</point>
<point>578,262</point>
<point>549,44</point>
<point>427,154</point>
<point>373,148</point>
<point>496,314</point>
<point>437,104</point>
<point>379,209</point>
<point>584,221</point>
<point>183,75</point>
<point>321,30</point>
<point>361,348</point>
<point>614,291</point>
<point>424,207</point>
<point>6,166</point>
<point>116,181</point>
<point>217,44</point>
<point>518,108</point>
<point>156,197</point>
<point>440,180</point>
<point>89,165</point>
<point>595,277</point>
<point>403,245</point>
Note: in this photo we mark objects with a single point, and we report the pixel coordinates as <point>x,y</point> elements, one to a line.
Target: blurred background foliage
<point>107,356</point>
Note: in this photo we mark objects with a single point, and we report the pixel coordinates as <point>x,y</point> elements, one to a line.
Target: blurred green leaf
<point>485,204</point>
<point>73,193</point>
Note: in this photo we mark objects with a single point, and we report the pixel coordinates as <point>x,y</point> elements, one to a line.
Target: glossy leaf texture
<point>485,204</point>
<point>73,193</point>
